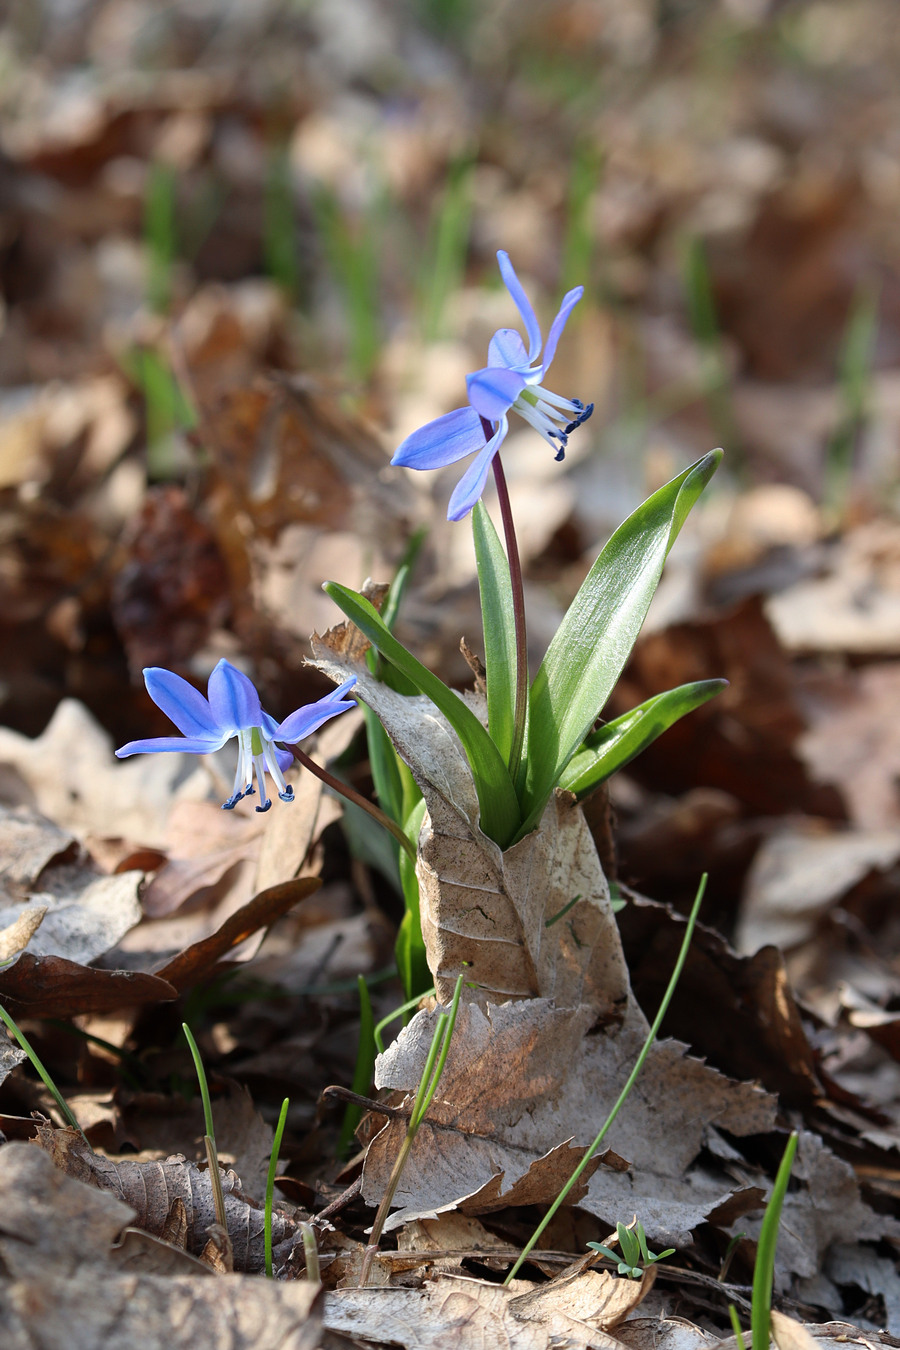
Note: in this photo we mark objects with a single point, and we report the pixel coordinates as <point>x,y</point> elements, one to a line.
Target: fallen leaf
<point>453,1311</point>
<point>60,1285</point>
<point>50,986</point>
<point>149,1188</point>
<point>186,968</point>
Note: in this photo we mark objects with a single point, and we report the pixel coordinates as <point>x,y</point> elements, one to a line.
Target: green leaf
<point>412,962</point>
<point>498,622</point>
<point>596,636</point>
<point>385,766</point>
<point>500,814</point>
<point>616,744</point>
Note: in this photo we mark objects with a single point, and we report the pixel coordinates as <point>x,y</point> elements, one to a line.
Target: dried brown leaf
<point>50,986</point>
<point>150,1188</point>
<point>186,968</point>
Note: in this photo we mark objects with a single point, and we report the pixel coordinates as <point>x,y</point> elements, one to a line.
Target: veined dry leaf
<point>494,914</point>
<point>10,1057</point>
<point>455,1311</point>
<point>593,1296</point>
<point>552,1081</point>
<point>61,1286</point>
<point>149,1188</point>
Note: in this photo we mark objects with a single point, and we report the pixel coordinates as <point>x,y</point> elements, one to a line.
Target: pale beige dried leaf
<point>594,1296</point>
<point>488,912</point>
<point>70,774</point>
<point>455,1313</point>
<point>17,935</point>
<point>28,843</point>
<point>85,914</point>
<point>789,1334</point>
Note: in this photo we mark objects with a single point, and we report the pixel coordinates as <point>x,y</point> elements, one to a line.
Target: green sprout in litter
<point>632,1249</point>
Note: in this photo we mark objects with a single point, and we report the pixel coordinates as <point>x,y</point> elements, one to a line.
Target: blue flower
<point>509,382</point>
<point>233,709</point>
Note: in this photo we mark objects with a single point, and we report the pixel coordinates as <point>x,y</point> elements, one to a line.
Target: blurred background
<point>246,248</point>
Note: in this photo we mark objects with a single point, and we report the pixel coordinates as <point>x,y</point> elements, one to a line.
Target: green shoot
<point>764,1270</point>
<point>632,1079</point>
<point>270,1186</point>
<point>362,1073</point>
<point>41,1071</point>
<point>311,1253</point>
<point>632,1249</point>
<point>209,1139</point>
<point>854,383</point>
<point>160,235</point>
<point>707,334</point>
<point>398,1012</point>
<point>279,243</point>
<point>428,1083</point>
<point>579,238</point>
<point>736,1327</point>
<point>447,256</point>
<point>351,250</point>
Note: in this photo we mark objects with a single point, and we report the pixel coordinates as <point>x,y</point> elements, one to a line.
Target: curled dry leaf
<point>50,986</point>
<point>150,1188</point>
<point>494,914</point>
<point>59,1287</point>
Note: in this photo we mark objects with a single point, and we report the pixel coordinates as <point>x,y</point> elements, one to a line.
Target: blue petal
<point>570,300</point>
<point>494,390</point>
<point>443,441</point>
<point>471,485</point>
<point>180,701</point>
<point>192,745</point>
<point>233,698</point>
<point>523,304</point>
<point>305,721</point>
<point>285,759</point>
<point>507,349</point>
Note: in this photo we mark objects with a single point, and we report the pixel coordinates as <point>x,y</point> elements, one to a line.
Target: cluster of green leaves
<point>578,673</point>
<point>633,1255</point>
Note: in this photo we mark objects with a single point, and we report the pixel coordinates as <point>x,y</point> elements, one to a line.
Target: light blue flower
<point>233,709</point>
<point>510,382</point>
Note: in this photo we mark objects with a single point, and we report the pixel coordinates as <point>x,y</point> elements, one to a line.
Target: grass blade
<point>764,1271</point>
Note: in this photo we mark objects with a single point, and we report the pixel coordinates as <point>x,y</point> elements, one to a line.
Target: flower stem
<point>355,797</point>
<point>520,715</point>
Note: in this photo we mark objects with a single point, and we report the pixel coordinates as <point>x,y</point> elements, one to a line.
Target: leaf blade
<point>500,814</point>
<point>498,624</point>
<point>616,744</point>
<point>578,673</point>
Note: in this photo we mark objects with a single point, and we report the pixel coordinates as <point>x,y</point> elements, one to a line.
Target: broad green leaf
<point>500,814</point>
<point>614,745</point>
<point>499,626</point>
<point>412,962</point>
<point>594,640</point>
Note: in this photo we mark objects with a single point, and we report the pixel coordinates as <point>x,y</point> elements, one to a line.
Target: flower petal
<point>233,698</point>
<point>308,719</point>
<point>191,745</point>
<point>570,300</point>
<point>443,441</point>
<point>507,349</point>
<point>494,390</point>
<point>181,702</point>
<point>523,304</point>
<point>471,485</point>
